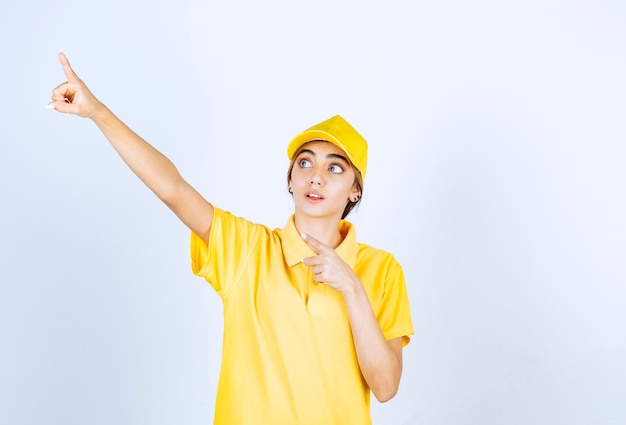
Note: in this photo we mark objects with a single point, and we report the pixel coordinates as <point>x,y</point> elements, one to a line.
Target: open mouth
<point>314,196</point>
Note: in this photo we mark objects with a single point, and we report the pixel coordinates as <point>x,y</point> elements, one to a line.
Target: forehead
<point>323,147</point>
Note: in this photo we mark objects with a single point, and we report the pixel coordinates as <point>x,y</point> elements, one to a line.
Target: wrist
<point>353,289</point>
<point>99,112</point>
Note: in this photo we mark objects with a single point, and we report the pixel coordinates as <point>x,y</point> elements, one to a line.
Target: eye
<point>335,168</point>
<point>304,163</point>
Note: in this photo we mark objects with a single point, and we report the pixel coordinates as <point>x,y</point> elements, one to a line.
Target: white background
<point>497,149</point>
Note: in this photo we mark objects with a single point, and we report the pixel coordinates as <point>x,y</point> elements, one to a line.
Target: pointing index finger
<point>67,68</point>
<point>315,245</point>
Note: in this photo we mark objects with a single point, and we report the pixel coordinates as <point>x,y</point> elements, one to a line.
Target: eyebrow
<point>330,155</point>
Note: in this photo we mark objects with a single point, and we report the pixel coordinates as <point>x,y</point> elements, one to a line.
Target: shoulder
<point>369,252</point>
<point>378,264</point>
<point>226,219</point>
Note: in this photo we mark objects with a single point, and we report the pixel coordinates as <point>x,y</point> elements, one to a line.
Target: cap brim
<point>312,135</point>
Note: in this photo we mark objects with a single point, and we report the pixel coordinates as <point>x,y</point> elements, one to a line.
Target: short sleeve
<point>393,313</point>
<point>231,242</point>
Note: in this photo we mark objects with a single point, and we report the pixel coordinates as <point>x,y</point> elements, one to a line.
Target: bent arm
<point>153,168</point>
<point>380,360</point>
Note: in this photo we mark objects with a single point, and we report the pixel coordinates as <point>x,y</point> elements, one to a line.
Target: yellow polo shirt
<point>288,357</point>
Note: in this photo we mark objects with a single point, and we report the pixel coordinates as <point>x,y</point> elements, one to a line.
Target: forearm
<point>380,360</point>
<point>153,168</point>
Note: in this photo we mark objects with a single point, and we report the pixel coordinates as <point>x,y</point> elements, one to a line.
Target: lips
<point>314,196</point>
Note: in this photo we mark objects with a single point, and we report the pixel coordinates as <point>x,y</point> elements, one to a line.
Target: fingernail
<point>303,235</point>
<point>49,106</point>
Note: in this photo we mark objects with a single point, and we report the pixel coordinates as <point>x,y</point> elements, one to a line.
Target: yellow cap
<point>339,132</point>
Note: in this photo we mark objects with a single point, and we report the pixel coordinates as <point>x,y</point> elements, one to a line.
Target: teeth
<point>313,195</point>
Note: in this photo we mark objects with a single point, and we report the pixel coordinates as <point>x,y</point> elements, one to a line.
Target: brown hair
<point>358,179</point>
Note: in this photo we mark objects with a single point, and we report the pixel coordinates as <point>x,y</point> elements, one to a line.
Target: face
<point>322,180</point>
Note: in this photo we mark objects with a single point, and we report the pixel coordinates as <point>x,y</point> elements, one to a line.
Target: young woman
<point>313,319</point>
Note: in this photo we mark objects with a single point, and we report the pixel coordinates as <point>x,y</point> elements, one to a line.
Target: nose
<point>316,177</point>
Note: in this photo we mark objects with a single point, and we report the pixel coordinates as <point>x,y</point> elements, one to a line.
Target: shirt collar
<point>295,249</point>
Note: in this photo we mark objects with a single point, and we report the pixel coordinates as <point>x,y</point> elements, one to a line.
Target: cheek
<point>298,175</point>
<point>342,190</point>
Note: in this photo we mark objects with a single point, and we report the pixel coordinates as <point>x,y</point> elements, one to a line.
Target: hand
<point>73,96</point>
<point>328,267</point>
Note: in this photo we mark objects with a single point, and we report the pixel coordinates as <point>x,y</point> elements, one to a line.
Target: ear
<point>355,194</point>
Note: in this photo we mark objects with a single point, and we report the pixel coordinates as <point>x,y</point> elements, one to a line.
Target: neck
<point>325,230</point>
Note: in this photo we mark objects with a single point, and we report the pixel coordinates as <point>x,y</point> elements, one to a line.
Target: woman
<point>313,320</point>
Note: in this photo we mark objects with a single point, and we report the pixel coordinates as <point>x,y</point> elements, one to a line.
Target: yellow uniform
<point>288,355</point>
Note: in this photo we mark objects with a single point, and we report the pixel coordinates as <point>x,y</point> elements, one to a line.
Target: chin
<point>318,214</point>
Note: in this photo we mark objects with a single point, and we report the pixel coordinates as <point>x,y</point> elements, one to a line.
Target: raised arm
<point>153,168</point>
